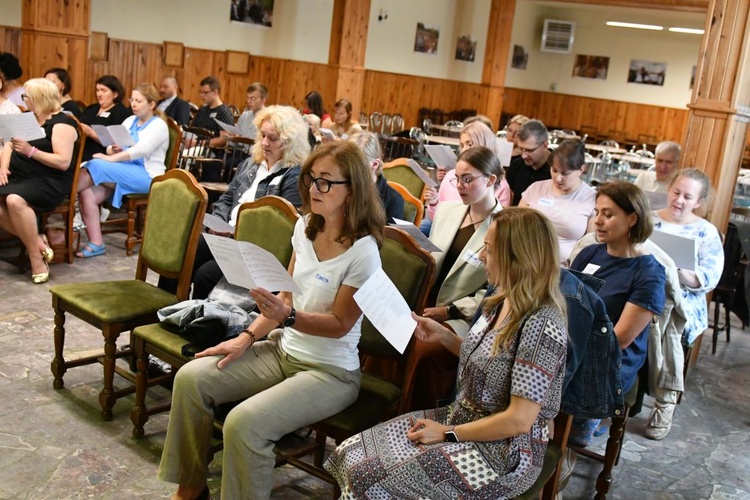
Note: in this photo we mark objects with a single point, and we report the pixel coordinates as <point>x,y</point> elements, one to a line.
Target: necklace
<point>471,219</point>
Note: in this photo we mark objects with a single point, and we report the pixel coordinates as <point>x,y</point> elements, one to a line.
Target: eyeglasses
<point>24,96</point>
<point>465,180</point>
<point>321,184</point>
<point>530,151</point>
<point>205,92</point>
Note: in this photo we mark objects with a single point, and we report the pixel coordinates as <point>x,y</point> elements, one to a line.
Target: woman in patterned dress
<point>490,442</point>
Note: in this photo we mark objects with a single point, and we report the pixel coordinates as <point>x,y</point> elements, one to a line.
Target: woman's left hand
<point>425,431</point>
<point>21,147</point>
<point>439,314</point>
<point>101,156</point>
<point>270,305</point>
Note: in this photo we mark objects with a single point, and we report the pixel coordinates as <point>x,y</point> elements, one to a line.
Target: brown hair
<point>149,91</point>
<point>631,200</point>
<point>484,160</point>
<point>571,153</point>
<point>365,215</point>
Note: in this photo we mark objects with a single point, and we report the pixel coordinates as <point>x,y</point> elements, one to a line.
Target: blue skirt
<point>128,177</point>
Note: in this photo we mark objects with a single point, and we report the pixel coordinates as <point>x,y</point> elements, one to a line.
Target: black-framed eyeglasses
<point>321,184</point>
<point>530,151</point>
<point>24,96</point>
<point>466,180</point>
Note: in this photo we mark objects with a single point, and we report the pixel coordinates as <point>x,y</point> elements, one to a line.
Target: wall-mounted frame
<point>174,54</point>
<point>98,46</point>
<point>237,63</point>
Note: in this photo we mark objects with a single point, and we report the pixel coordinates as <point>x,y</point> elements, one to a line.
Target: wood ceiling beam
<point>700,6</point>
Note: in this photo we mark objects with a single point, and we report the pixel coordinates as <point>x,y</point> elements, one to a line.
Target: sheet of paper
<point>386,309</point>
<point>217,224</point>
<point>504,151</point>
<point>229,128</point>
<point>415,233</point>
<point>422,174</point>
<point>443,156</point>
<point>21,126</point>
<point>326,132</point>
<point>249,266</point>
<point>121,136</point>
<point>680,248</point>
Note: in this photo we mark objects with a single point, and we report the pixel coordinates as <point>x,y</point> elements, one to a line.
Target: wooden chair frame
<point>404,162</point>
<point>411,199</point>
<point>111,331</point>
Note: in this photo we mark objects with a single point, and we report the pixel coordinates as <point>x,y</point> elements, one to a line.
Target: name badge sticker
<point>472,258</point>
<point>480,324</point>
<point>321,280</point>
<point>105,114</point>
<point>590,268</point>
<point>212,115</point>
<point>546,202</point>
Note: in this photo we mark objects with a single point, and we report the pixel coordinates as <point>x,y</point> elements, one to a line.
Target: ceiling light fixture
<point>692,31</point>
<point>651,27</point>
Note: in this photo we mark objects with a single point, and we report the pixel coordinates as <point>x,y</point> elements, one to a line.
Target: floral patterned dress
<point>382,463</point>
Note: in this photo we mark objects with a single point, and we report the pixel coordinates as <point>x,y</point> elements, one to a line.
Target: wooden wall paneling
<point>10,40</point>
<point>57,16</point>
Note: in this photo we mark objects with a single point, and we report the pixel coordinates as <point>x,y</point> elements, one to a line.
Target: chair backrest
<point>175,139</point>
<point>174,222</point>
<point>411,269</point>
<point>376,121</point>
<point>235,111</point>
<point>269,223</point>
<point>398,123</point>
<point>77,159</point>
<point>733,268</point>
<point>399,171</point>
<point>413,208</point>
<point>200,149</point>
<point>387,125</point>
<point>398,147</point>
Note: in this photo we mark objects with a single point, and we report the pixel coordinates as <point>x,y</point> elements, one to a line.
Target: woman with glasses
<point>36,175</point>
<point>272,169</point>
<point>565,199</point>
<point>459,230</point>
<point>511,132</point>
<point>108,110</point>
<point>297,363</point>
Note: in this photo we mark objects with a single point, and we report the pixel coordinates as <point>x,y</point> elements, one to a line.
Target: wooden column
<point>496,58</point>
<point>351,20</point>
<point>55,33</point>
<point>719,112</point>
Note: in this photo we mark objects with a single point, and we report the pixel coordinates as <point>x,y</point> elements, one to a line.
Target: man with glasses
<point>534,163</point>
<point>256,100</point>
<point>213,109</point>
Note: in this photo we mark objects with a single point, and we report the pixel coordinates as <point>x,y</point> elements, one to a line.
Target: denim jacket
<point>592,387</point>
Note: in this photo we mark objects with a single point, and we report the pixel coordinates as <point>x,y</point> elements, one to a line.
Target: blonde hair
<point>525,253</point>
<point>369,143</point>
<point>44,94</point>
<point>480,135</point>
<point>293,132</point>
<point>149,91</point>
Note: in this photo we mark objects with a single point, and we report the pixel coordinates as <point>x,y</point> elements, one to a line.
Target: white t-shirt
<point>320,282</point>
<point>569,213</point>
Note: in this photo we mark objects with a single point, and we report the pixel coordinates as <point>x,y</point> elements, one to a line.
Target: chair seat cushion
<point>114,301</point>
<point>162,338</point>
<point>376,396</point>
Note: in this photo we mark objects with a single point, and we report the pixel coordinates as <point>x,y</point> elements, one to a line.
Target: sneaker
<point>661,421</point>
<point>158,366</point>
<point>103,214</point>
<point>78,222</point>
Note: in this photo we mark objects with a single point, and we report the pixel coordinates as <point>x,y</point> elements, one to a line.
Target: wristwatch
<point>291,319</point>
<point>454,312</point>
<point>451,437</point>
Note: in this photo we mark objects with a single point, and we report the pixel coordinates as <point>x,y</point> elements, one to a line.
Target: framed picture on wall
<point>586,66</point>
<point>647,72</point>
<point>426,39</point>
<point>257,12</point>
<point>466,48</point>
<point>520,57</point>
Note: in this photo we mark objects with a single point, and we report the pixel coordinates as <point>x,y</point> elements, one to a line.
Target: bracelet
<point>250,333</point>
<point>31,152</point>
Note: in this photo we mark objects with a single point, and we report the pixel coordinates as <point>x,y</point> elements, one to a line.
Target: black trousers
<point>206,273</point>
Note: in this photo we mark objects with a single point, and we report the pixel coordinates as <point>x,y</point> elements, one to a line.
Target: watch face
<point>451,437</point>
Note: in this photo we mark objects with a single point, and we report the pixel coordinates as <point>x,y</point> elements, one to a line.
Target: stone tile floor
<point>55,445</point>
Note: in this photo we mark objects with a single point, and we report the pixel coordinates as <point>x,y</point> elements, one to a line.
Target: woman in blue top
<point>634,283</point>
<point>123,171</point>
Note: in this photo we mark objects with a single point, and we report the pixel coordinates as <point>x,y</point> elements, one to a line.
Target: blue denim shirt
<point>592,386</point>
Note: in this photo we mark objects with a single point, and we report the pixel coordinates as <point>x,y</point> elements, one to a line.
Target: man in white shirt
<point>171,104</point>
<point>666,159</point>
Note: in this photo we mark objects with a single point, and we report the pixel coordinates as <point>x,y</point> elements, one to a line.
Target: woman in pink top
<point>565,199</point>
<point>474,134</point>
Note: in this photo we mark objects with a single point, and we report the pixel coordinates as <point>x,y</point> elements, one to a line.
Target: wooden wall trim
<point>699,6</point>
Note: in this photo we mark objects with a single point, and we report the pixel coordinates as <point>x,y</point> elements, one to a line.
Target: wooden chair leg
<point>130,241</point>
<point>611,455</point>
<point>107,397</point>
<point>139,415</point>
<point>716,329</point>
<point>727,322</point>
<point>58,362</point>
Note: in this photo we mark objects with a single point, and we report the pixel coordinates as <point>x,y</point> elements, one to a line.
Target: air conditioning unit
<point>558,36</point>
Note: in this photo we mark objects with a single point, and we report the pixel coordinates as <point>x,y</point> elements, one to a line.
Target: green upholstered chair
<point>411,269</point>
<point>413,208</point>
<point>173,226</point>
<point>399,171</point>
<point>137,203</point>
<point>269,223</point>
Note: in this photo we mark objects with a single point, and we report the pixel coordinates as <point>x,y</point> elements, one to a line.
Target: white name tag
<point>472,258</point>
<point>590,268</point>
<point>479,325</point>
<point>212,115</point>
<point>105,114</point>
<point>546,202</point>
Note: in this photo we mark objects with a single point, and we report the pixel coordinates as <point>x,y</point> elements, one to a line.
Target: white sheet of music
<point>504,151</point>
<point>415,233</point>
<point>386,309</point>
<point>217,224</point>
<point>20,126</point>
<point>680,248</point>
<point>442,155</point>
<point>422,174</point>
<point>113,134</point>
<point>229,128</point>
<point>249,266</point>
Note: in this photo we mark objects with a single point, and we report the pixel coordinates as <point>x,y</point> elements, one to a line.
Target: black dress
<point>41,186</point>
<point>115,116</point>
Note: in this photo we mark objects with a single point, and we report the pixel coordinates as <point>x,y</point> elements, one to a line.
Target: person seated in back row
<point>272,169</point>
<point>212,110</point>
<point>392,201</point>
<point>171,104</point>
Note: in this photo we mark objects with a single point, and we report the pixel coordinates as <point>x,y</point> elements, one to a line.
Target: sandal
<point>91,250</point>
<point>47,253</point>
